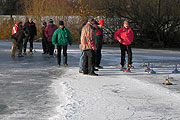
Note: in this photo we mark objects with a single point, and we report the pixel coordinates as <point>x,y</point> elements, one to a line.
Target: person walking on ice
<point>62,37</point>
<point>125,37</point>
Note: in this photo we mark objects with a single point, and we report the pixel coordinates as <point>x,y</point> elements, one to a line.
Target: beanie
<point>51,21</point>
<point>101,22</point>
<point>61,22</point>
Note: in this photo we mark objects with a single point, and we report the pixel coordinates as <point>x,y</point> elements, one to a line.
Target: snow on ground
<point>34,88</point>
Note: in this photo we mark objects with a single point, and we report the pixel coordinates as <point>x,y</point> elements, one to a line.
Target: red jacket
<point>49,30</point>
<point>125,36</point>
<point>15,28</point>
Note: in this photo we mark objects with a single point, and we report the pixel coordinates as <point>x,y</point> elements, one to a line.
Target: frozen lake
<point>34,88</point>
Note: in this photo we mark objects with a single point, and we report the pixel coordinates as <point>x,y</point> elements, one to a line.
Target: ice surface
<point>34,88</point>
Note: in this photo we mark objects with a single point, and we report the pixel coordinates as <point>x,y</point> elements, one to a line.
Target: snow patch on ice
<point>70,104</point>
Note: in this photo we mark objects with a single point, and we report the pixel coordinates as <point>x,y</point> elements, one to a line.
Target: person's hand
<point>93,48</point>
<point>120,40</point>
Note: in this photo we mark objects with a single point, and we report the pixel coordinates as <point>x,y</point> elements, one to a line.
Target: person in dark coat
<point>99,35</point>
<point>30,30</point>
<point>18,35</point>
<point>44,39</point>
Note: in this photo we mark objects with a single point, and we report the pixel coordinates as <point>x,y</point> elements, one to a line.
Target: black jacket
<point>43,34</point>
<point>30,28</point>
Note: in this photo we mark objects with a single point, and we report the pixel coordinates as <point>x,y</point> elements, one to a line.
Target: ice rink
<point>35,88</point>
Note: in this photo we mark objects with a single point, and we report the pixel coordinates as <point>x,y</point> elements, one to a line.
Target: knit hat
<point>44,23</point>
<point>101,22</point>
<point>61,22</point>
<point>51,21</point>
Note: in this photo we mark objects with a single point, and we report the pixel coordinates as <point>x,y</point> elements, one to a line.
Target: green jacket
<point>62,37</point>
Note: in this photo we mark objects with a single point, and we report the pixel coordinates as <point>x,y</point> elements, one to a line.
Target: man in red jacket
<point>49,30</point>
<point>125,37</point>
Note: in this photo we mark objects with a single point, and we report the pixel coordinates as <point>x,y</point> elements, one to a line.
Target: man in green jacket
<point>62,37</point>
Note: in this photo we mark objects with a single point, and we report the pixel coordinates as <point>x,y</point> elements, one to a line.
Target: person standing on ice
<point>17,36</point>
<point>125,37</point>
<point>31,31</point>
<point>44,39</point>
<point>88,47</point>
<point>99,35</point>
<point>49,30</point>
<point>81,57</point>
<point>62,37</point>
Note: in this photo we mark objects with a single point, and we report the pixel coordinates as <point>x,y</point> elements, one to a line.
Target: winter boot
<point>130,66</point>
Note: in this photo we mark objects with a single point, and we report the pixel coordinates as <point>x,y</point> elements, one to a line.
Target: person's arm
<point>35,30</point>
<point>69,37</point>
<point>116,35</point>
<point>25,28</point>
<point>55,37</point>
<point>132,34</point>
<point>91,37</point>
<point>46,31</point>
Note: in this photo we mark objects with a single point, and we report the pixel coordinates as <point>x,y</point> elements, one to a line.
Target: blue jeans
<point>81,61</point>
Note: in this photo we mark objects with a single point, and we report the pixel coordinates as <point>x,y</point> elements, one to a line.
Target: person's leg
<point>93,58</point>
<point>48,47</point>
<point>90,61</point>
<point>98,52</point>
<point>59,55</point>
<point>85,62</point>
<point>65,55</point>
<point>123,55</point>
<point>21,36</point>
<point>13,48</point>
<point>129,55</point>
<point>44,45</point>
<point>25,43</point>
<point>31,43</point>
<point>51,48</point>
<point>81,62</point>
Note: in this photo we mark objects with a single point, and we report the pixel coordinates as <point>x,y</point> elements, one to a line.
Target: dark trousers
<point>50,48</point>
<point>44,45</point>
<point>88,65</point>
<point>98,51</point>
<point>30,39</point>
<point>59,48</point>
<point>125,48</point>
<point>19,36</point>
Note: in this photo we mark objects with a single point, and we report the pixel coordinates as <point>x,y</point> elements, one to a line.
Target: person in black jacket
<point>44,39</point>
<point>30,30</point>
